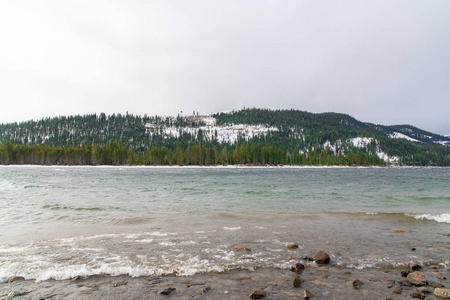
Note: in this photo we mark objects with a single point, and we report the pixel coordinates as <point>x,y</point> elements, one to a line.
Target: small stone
<point>417,278</point>
<point>120,283</point>
<point>428,298</point>
<point>357,284</point>
<point>443,293</point>
<point>206,289</point>
<point>258,294</point>
<point>297,281</point>
<point>390,283</point>
<point>424,290</point>
<point>404,283</point>
<point>307,258</point>
<point>397,290</point>
<point>434,267</point>
<point>401,231</point>
<point>15,278</point>
<point>291,246</point>
<point>440,276</point>
<point>405,273</point>
<point>414,267</point>
<point>417,295</point>
<point>306,294</point>
<point>321,257</point>
<point>167,291</point>
<point>435,284</point>
<point>372,277</point>
<point>297,268</point>
<point>290,258</point>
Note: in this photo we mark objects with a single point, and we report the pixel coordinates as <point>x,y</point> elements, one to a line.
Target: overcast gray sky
<point>380,61</point>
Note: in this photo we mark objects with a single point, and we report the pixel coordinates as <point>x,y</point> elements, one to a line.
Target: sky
<point>385,62</point>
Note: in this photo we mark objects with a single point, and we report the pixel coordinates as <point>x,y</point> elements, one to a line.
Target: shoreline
<point>316,282</point>
<point>229,166</point>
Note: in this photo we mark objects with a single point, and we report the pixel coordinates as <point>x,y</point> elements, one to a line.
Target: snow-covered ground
<point>398,135</point>
<point>211,131</point>
<point>230,133</point>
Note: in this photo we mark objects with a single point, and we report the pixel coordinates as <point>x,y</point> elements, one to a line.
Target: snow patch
<point>398,135</point>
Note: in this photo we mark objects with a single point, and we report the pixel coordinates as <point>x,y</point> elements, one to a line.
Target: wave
<point>441,218</point>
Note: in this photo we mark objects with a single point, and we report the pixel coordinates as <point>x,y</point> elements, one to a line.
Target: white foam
<point>232,228</point>
<point>441,218</point>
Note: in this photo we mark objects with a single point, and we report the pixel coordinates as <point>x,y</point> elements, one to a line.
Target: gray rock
<point>417,295</point>
<point>435,284</point>
<point>417,278</point>
<point>390,283</point>
<point>167,291</point>
<point>321,257</point>
<point>404,283</point>
<point>424,290</point>
<point>440,276</point>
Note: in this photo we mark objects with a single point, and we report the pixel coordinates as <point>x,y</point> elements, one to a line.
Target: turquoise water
<point>60,222</point>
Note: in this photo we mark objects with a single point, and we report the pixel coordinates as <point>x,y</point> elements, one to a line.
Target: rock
<point>306,294</point>
<point>397,290</point>
<point>15,278</point>
<point>414,267</point>
<point>297,268</point>
<point>357,284</point>
<point>167,291</point>
<point>258,294</point>
<point>401,231</point>
<point>435,284</point>
<point>443,293</point>
<point>307,258</point>
<point>297,281</point>
<point>434,267</point>
<point>372,277</point>
<point>417,278</point>
<point>390,283</point>
<point>291,246</point>
<point>428,298</point>
<point>417,295</point>
<point>290,258</point>
<point>404,283</point>
<point>120,283</point>
<point>424,290</point>
<point>440,276</point>
<point>405,273</point>
<point>321,257</point>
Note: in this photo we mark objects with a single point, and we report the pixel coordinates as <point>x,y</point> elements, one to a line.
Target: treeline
<point>116,153</point>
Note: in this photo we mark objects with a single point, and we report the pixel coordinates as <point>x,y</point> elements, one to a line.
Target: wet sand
<point>321,282</point>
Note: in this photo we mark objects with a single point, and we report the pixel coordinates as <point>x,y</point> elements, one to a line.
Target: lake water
<point>63,222</point>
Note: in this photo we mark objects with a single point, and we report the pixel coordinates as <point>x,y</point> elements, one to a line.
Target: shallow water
<point>64,222</point>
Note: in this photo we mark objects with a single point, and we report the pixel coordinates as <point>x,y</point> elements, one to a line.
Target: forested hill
<point>249,136</point>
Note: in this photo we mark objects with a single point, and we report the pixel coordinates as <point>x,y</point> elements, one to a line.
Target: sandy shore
<point>320,282</point>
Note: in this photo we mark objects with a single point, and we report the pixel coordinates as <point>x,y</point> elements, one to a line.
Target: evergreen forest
<point>249,137</point>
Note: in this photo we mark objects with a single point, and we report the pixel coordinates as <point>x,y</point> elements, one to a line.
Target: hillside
<point>293,136</point>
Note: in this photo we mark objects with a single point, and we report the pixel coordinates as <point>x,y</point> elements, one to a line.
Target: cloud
<point>380,61</point>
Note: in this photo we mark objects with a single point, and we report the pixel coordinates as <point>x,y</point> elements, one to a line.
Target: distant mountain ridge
<point>293,130</point>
